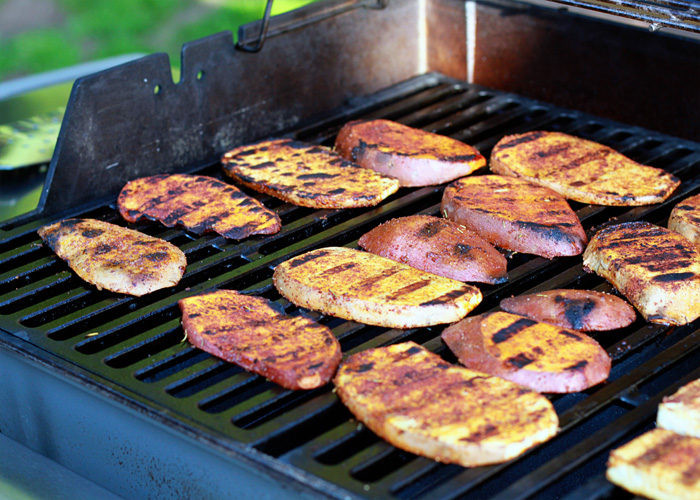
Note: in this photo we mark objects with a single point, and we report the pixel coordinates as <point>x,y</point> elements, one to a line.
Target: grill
<point>115,393</point>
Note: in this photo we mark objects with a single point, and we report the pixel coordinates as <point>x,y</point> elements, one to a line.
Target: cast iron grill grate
<point>137,343</point>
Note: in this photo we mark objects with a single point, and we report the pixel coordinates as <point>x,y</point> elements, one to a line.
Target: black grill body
<point>106,385</point>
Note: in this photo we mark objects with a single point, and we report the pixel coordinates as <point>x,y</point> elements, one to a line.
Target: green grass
<point>103,28</point>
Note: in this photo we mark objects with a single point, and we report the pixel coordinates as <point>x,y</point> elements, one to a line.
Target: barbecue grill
<point>105,384</point>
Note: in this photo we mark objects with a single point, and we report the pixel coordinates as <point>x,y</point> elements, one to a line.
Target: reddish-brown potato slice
<point>658,270</point>
<point>658,464</point>
<point>685,219</point>
<point>419,403</point>
<point>413,156</point>
<point>115,258</point>
<point>543,357</point>
<point>438,246</point>
<point>199,204</point>
<point>306,175</point>
<point>581,170</point>
<point>514,214</point>
<point>292,351</point>
<point>364,287</point>
<point>584,310</point>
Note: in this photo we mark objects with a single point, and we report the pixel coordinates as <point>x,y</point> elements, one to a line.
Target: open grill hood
<point>104,384</point>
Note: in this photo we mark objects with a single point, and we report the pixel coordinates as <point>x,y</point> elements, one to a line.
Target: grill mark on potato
<point>657,452</point>
<point>307,258</point>
<point>551,151</point>
<point>516,327</point>
<point>102,249</point>
<point>578,366</point>
<point>92,233</point>
<point>576,310</point>
<point>430,229</point>
<point>520,360</point>
<point>337,269</point>
<point>446,297</point>
<point>664,278</point>
<point>570,334</point>
<point>408,289</point>
<point>462,250</point>
<point>319,175</point>
<point>372,280</point>
<point>522,140</point>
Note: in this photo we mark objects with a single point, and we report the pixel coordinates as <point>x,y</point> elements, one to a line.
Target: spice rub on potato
<point>367,288</point>
<point>306,175</point>
<point>292,351</point>
<point>685,219</point>
<point>438,246</point>
<point>581,170</point>
<point>413,156</point>
<point>115,258</point>
<point>419,403</point>
<point>199,204</point>
<point>515,215</point>
<point>543,357</point>
<point>657,269</point>
<point>583,310</point>
<point>658,464</point>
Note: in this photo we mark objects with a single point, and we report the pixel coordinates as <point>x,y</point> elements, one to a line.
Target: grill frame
<point>462,110</point>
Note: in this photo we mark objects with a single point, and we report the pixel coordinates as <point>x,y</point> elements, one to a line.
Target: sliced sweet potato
<point>543,357</point>
<point>292,351</point>
<point>583,310</point>
<point>438,246</point>
<point>413,156</point>
<point>364,287</point>
<point>419,403</point>
<point>514,214</point>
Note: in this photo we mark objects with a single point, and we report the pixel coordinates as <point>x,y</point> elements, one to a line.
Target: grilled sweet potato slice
<point>656,269</point>
<point>543,357</point>
<point>685,219</point>
<point>364,287</point>
<point>658,464</point>
<point>306,175</point>
<point>583,310</point>
<point>581,170</point>
<point>680,412</point>
<point>115,258</point>
<point>199,204</point>
<point>438,246</point>
<point>292,351</point>
<point>413,156</point>
<point>514,214</point>
<point>419,403</point>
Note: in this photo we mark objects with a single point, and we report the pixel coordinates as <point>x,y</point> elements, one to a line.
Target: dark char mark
<point>462,250</point>
<point>516,327</point>
<point>552,233</point>
<point>520,360</point>
<point>315,365</point>
<point>364,367</point>
<point>338,269</point>
<point>665,278</point>
<point>337,191</point>
<point>521,140</point>
<point>156,256</point>
<point>575,310</point>
<point>102,249</point>
<point>319,175</point>
<point>408,289</point>
<point>445,298</point>
<point>92,233</point>
<point>578,366</point>
<point>414,350</point>
<point>431,229</point>
<point>307,258</point>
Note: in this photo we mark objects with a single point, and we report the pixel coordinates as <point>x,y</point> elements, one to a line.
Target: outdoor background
<point>40,35</point>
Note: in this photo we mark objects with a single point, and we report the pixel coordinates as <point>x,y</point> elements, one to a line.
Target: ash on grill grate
<point>139,341</point>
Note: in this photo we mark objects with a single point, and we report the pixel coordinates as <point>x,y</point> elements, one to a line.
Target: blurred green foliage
<point>91,30</point>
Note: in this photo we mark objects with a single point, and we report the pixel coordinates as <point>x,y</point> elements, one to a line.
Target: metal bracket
<point>257,45</point>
